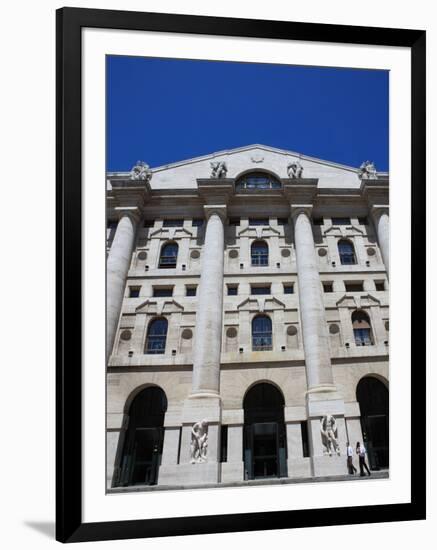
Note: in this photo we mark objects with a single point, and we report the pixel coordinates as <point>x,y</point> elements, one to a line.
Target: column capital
<point>295,210</point>
<point>375,191</point>
<point>219,209</point>
<point>300,190</point>
<point>129,193</point>
<point>216,190</point>
<point>133,212</point>
<point>378,210</point>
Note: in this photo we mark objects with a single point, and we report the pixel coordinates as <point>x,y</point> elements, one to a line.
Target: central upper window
<point>257,180</point>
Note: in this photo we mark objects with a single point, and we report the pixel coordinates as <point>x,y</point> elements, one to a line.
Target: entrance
<point>372,395</point>
<point>142,451</point>
<point>265,446</point>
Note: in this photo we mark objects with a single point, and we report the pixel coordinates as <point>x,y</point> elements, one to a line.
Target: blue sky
<point>166,110</point>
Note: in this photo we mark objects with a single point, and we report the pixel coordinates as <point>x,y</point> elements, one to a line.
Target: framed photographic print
<point>241,253</point>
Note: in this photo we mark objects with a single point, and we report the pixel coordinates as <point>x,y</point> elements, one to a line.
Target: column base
<point>189,474</point>
<point>232,471</point>
<point>299,467</point>
<point>329,465</point>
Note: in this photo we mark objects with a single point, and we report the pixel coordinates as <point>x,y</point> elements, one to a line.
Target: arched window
<point>257,180</point>
<point>372,395</point>
<point>264,439</point>
<point>347,252</point>
<point>362,328</point>
<point>143,442</point>
<point>156,336</point>
<point>169,256</point>
<point>259,253</point>
<point>262,333</point>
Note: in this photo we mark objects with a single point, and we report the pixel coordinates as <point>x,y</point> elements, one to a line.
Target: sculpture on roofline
<point>218,169</point>
<point>367,171</point>
<point>294,169</point>
<point>141,172</point>
<point>328,430</point>
<point>199,442</point>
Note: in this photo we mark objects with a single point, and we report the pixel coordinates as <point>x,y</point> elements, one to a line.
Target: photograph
<point>247,274</point>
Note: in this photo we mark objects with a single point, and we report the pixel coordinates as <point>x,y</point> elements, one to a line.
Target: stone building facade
<point>247,318</point>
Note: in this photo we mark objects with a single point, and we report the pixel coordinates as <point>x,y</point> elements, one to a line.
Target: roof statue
<point>294,169</point>
<point>141,171</point>
<point>218,169</point>
<point>367,171</point>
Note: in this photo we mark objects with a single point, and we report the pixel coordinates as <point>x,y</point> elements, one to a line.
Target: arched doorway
<point>265,446</point>
<point>143,443</point>
<point>372,395</point>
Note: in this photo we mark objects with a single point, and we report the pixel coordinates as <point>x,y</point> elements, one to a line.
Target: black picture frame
<point>69,525</point>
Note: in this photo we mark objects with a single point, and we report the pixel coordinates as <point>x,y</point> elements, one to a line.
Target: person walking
<point>361,452</point>
<point>350,465</point>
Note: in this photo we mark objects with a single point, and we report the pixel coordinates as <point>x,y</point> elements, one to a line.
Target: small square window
<point>232,290</point>
<point>328,287</point>
<point>363,221</point>
<point>258,221</point>
<point>159,292</point>
<point>191,290</point>
<point>341,221</point>
<point>134,291</point>
<point>111,224</point>
<point>173,223</point>
<point>288,289</point>
<point>354,286</point>
<point>282,221</point>
<point>317,221</point>
<point>380,285</point>
<point>197,222</point>
<point>265,289</point>
<point>234,221</point>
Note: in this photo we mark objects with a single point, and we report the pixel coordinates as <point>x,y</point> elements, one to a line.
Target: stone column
<point>117,267</point>
<point>206,363</point>
<point>382,225</point>
<point>312,310</point>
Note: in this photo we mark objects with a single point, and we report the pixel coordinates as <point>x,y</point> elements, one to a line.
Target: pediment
<point>357,302</point>
<point>262,303</point>
<point>170,233</point>
<point>159,307</point>
<point>343,231</point>
<point>259,231</point>
<point>183,174</point>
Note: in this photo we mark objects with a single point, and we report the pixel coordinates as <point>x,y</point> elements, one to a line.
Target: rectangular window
<point>224,444</point>
<point>258,221</point>
<point>356,286</point>
<point>282,221</point>
<point>255,289</point>
<point>288,288</point>
<point>363,221</point>
<point>380,285</point>
<point>328,287</point>
<point>362,337</point>
<point>197,222</point>
<point>317,221</point>
<point>305,445</point>
<point>149,223</point>
<point>234,221</point>
<point>160,292</point>
<point>232,290</point>
<point>134,291</point>
<point>191,290</point>
<point>111,224</point>
<point>173,223</point>
<point>341,221</point>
